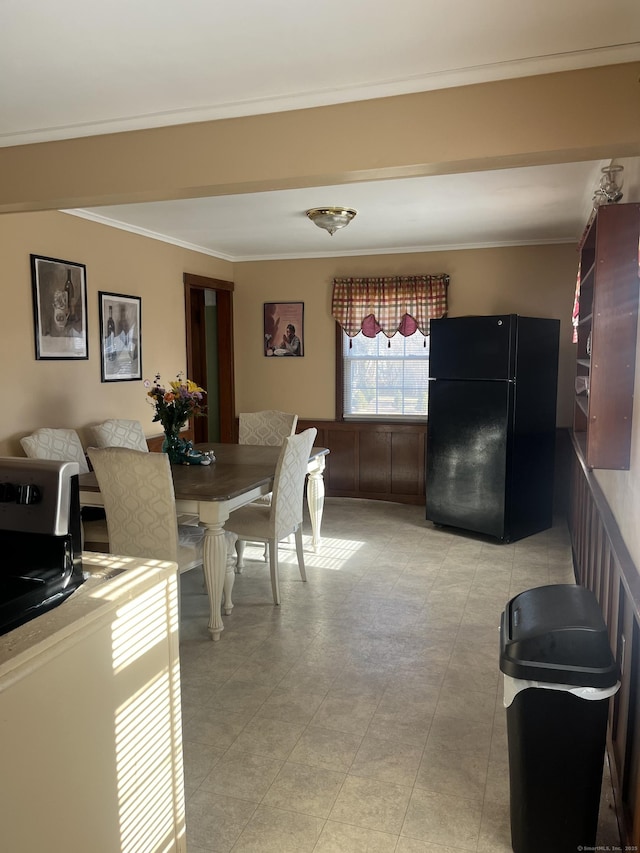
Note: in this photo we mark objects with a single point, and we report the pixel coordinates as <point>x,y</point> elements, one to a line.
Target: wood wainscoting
<point>379,461</point>
<point>603,564</point>
<point>386,461</point>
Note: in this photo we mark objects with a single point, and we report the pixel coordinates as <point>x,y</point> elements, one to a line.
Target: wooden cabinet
<point>608,321</point>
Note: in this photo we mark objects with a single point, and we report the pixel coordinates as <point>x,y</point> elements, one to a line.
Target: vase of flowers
<point>174,405</point>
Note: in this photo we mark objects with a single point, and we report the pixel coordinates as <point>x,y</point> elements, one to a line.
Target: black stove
<point>40,538</point>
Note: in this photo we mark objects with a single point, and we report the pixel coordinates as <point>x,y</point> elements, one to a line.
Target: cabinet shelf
<point>608,328</point>
<point>583,404</point>
<point>587,274</point>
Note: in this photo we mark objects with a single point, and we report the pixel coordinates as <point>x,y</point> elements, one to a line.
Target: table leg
<point>230,571</point>
<point>215,572</point>
<point>315,500</point>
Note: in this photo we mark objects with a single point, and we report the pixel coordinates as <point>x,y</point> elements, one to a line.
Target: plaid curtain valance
<point>389,305</point>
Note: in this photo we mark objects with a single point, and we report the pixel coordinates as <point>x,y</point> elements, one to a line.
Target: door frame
<point>193,287</point>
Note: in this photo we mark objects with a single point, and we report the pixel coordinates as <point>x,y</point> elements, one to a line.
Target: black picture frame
<point>120,337</point>
<point>59,309</point>
<point>278,317</point>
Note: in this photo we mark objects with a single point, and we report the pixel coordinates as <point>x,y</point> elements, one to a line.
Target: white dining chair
<point>269,427</point>
<point>270,524</point>
<point>139,499</point>
<point>119,432</point>
<point>64,445</point>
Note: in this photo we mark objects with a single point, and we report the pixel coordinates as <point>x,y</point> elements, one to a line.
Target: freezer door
<point>467,451</point>
<point>473,347</point>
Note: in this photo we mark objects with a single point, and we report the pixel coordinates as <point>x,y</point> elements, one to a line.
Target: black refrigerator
<point>491,424</point>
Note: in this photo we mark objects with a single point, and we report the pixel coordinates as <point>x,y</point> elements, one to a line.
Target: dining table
<point>240,474</point>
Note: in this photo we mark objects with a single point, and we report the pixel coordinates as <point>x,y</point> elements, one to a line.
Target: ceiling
<point>79,69</point>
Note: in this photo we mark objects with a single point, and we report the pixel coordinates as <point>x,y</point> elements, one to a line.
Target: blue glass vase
<point>181,451</point>
<point>175,447</point>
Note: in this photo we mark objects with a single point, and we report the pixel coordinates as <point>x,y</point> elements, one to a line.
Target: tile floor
<point>365,713</point>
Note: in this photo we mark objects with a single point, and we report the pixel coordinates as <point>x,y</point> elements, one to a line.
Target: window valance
<point>389,305</point>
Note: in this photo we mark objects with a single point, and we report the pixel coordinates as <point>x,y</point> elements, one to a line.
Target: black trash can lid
<point>557,634</point>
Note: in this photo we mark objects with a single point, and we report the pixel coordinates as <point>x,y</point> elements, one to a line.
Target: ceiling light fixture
<point>331,218</point>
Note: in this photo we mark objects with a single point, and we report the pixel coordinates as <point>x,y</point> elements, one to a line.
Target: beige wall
<point>70,393</point>
<point>535,281</point>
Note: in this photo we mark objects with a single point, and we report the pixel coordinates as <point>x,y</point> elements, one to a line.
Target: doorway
<point>209,330</point>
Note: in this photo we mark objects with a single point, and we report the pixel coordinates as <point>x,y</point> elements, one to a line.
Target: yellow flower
<point>175,404</point>
<point>187,385</point>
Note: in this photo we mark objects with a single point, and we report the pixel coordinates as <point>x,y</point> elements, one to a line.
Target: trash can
<point>558,676</point>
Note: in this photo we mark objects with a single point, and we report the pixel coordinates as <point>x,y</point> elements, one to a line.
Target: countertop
<point>110,582</point>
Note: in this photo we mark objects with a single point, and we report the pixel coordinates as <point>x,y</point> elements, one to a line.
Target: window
<point>382,348</point>
<point>384,378</point>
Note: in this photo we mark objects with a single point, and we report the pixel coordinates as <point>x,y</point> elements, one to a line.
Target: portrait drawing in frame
<point>283,329</point>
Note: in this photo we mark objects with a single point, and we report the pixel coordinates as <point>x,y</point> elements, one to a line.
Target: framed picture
<point>120,337</point>
<point>59,308</point>
<point>284,328</point>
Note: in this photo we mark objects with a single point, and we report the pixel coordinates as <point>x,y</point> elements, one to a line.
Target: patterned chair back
<point>63,445</point>
<point>137,489</point>
<point>288,484</point>
<point>269,427</point>
<point>119,432</point>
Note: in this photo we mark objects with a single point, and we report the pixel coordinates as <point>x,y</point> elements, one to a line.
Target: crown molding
<point>528,67</point>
